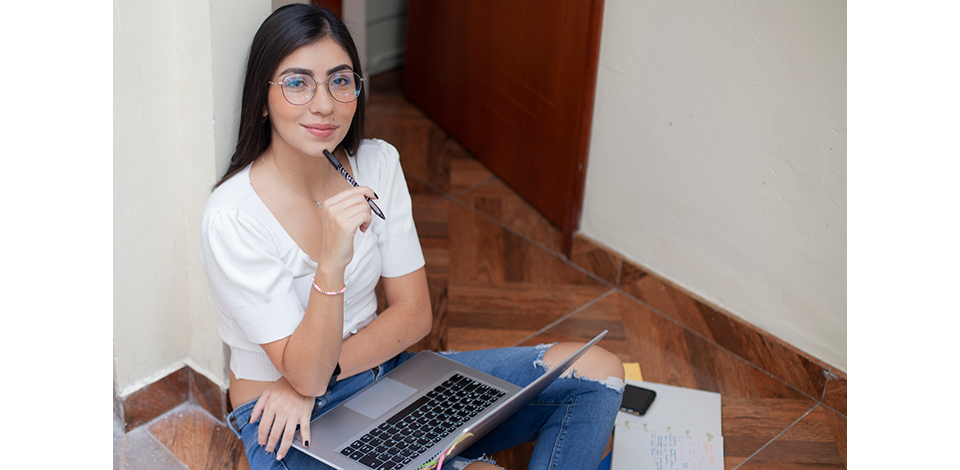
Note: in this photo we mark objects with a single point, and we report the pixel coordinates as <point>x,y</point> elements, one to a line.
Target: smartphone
<point>636,400</point>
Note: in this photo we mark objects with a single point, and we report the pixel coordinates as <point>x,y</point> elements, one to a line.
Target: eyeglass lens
<point>299,89</point>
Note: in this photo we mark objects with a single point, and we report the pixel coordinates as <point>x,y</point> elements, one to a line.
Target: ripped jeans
<point>570,421</point>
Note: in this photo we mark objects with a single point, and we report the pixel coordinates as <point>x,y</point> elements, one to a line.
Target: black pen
<point>336,164</point>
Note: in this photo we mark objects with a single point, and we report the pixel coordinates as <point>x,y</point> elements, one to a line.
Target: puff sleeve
<point>249,282</point>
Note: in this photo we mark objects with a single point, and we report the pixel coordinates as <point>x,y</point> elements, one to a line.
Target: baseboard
<point>614,268</point>
<point>183,385</point>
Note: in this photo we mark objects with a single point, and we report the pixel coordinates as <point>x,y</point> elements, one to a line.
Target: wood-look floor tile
<point>838,426</point>
<point>836,394</point>
<point>410,136</point>
<point>422,196</point>
<point>198,440</point>
<point>604,314</point>
<point>155,399</point>
<point>630,273</point>
<point>596,259</point>
<point>207,395</point>
<point>138,451</point>
<point>756,346</point>
<point>426,151</point>
<point>481,250</point>
<point>666,299</point>
<point>467,171</point>
<point>497,200</point>
<point>485,315</point>
<point>386,97</point>
<point>429,154</point>
<point>500,287</point>
<point>755,406</point>
<point>816,441</point>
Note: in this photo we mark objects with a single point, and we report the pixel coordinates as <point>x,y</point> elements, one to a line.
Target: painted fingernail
<point>375,195</point>
<point>306,443</point>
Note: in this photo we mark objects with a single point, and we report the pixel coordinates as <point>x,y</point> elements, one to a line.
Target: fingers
<point>353,197</point>
<point>258,408</point>
<point>354,217</point>
<point>263,431</point>
<point>305,430</point>
<point>289,430</point>
<point>276,431</point>
<point>359,191</point>
<point>343,215</point>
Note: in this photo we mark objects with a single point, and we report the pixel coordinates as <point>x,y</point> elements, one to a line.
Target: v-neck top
<point>260,279</point>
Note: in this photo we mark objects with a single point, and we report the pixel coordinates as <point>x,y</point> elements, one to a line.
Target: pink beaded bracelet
<point>340,292</point>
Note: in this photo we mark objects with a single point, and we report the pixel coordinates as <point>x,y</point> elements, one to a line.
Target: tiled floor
<point>497,279</point>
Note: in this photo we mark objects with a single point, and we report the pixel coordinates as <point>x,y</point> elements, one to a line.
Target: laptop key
<point>371,461</point>
<point>409,409</point>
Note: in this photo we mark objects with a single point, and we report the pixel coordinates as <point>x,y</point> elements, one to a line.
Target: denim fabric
<point>570,421</point>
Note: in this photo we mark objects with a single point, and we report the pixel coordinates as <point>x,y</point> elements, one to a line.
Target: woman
<point>293,253</point>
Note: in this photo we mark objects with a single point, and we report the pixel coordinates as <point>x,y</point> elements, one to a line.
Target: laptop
<point>419,410</point>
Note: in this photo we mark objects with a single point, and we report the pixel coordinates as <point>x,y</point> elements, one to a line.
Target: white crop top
<point>260,280</point>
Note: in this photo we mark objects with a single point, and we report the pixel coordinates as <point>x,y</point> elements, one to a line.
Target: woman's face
<point>322,123</point>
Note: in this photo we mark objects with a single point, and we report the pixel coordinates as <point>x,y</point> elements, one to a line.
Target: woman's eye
<point>340,81</point>
<point>295,83</point>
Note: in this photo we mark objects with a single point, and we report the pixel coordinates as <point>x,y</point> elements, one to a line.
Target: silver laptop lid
<point>343,423</point>
<point>492,417</point>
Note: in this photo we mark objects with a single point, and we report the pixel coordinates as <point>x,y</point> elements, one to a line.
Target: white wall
<point>385,36</point>
<point>150,292</point>
<point>718,157</point>
<point>178,68</point>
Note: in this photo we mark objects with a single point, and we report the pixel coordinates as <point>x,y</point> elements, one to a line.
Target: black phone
<point>636,400</point>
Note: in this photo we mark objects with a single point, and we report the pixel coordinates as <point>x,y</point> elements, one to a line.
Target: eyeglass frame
<point>326,82</point>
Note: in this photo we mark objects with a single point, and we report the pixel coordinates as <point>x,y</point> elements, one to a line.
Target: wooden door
<point>513,81</point>
<point>336,6</point>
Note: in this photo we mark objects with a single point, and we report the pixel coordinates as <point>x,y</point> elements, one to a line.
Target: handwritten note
<point>681,430</point>
<point>678,452</point>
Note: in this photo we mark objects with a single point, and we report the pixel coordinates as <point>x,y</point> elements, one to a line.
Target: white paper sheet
<point>680,431</point>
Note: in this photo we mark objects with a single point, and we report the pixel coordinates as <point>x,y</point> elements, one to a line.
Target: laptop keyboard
<point>413,430</point>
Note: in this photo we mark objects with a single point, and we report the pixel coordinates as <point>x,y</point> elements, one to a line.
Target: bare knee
<point>597,363</point>
<point>482,466</point>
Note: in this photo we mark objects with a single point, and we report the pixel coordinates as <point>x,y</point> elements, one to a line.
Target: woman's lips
<point>321,130</point>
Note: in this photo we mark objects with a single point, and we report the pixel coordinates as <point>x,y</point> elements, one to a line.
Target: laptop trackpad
<point>381,397</point>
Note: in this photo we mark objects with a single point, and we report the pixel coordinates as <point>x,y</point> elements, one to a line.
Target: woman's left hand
<point>283,410</point>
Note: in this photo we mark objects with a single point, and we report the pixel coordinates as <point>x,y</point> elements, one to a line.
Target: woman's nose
<point>322,102</point>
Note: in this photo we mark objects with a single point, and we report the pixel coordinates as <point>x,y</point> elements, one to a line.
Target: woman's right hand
<point>282,409</point>
<point>343,214</point>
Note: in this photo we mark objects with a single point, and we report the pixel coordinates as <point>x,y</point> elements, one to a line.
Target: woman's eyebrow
<point>303,71</point>
<point>296,70</point>
<point>339,68</point>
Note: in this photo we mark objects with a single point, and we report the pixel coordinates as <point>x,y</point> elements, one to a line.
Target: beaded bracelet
<point>339,292</point>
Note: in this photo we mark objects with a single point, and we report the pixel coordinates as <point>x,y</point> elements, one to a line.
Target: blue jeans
<point>570,421</point>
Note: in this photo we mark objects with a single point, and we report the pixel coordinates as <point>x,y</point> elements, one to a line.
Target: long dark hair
<point>283,32</point>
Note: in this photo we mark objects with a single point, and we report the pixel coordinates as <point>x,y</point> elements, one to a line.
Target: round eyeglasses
<point>298,89</point>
